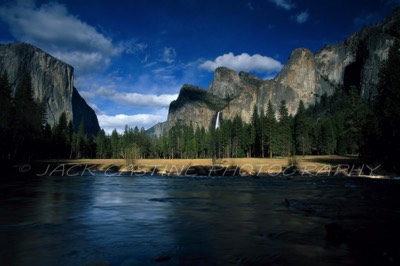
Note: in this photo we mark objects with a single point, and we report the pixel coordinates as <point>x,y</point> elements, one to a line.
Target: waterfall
<point>217,123</point>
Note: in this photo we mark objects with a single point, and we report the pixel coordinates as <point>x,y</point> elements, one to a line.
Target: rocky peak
<point>355,61</point>
<point>20,58</point>
<point>299,71</point>
<point>52,82</point>
<point>196,95</point>
<point>226,83</point>
<point>250,79</point>
<point>391,25</point>
<point>195,106</point>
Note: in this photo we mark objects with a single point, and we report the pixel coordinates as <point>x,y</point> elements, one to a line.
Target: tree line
<point>342,123</point>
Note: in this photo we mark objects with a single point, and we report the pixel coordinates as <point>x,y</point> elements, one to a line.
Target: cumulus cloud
<point>118,122</point>
<point>244,62</point>
<point>302,17</point>
<point>130,98</point>
<point>145,100</point>
<point>95,108</point>
<point>52,28</point>
<point>285,4</point>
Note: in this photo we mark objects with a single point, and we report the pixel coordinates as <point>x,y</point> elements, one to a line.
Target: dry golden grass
<point>248,165</point>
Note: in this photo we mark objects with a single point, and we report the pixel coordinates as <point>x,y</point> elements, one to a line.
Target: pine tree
<point>89,147</point>
<point>315,134</point>
<point>226,138</point>
<point>5,101</point>
<point>80,142</point>
<point>238,137</point>
<point>249,137</point>
<point>284,130</point>
<point>102,145</point>
<point>115,144</point>
<point>189,141</point>
<point>6,116</point>
<point>258,141</point>
<point>327,138</point>
<point>60,137</point>
<point>46,143</point>
<point>199,142</point>
<point>28,121</point>
<point>301,131</point>
<point>70,139</point>
<point>144,143</point>
<point>356,111</point>
<point>270,131</point>
<point>339,125</point>
<point>383,132</point>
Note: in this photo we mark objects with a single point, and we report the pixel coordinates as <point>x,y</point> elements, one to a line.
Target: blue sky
<point>132,57</point>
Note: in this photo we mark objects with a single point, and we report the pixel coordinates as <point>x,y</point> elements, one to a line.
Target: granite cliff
<point>52,81</point>
<point>306,76</point>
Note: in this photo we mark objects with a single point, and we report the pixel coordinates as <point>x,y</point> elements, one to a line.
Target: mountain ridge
<point>306,76</point>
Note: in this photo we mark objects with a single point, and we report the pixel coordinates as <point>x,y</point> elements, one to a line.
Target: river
<point>165,220</point>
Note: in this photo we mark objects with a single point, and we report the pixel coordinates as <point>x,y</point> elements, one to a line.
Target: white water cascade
<point>217,123</point>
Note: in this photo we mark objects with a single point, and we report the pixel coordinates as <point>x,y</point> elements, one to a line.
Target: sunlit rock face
<point>226,83</point>
<point>357,60</point>
<point>306,76</point>
<point>52,81</point>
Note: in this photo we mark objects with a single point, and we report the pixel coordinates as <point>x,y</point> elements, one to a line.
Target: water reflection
<point>129,220</point>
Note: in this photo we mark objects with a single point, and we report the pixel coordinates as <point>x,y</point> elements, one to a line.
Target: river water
<point>165,220</point>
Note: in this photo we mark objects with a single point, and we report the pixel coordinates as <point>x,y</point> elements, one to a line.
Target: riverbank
<point>302,165</point>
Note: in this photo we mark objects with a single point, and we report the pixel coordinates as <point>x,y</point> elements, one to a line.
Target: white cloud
<point>130,98</point>
<point>52,28</point>
<point>95,108</point>
<point>244,62</point>
<point>145,100</point>
<point>302,17</point>
<point>250,6</point>
<point>111,122</point>
<point>168,55</point>
<point>285,4</point>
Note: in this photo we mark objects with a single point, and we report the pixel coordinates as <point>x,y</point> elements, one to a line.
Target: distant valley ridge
<point>306,76</point>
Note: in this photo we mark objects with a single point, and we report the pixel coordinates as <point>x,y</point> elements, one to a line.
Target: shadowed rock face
<point>52,81</point>
<point>306,76</point>
<point>82,112</point>
<point>194,106</point>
